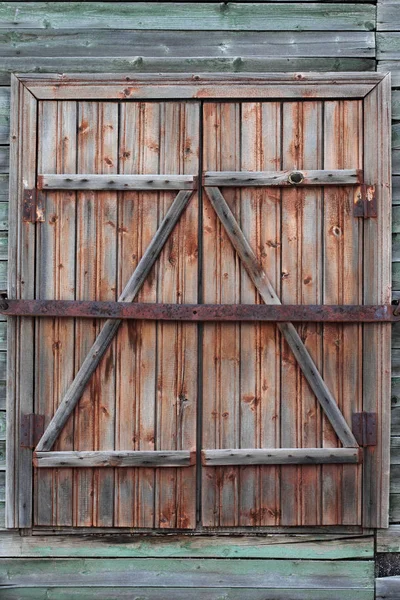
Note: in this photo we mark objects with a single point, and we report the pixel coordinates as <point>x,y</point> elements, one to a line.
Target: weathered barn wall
<point>189,37</point>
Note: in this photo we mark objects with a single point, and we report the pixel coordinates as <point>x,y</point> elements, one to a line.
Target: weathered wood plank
<point>388,540</point>
<point>4,159</point>
<point>279,456</point>
<point>390,66</point>
<point>377,284</point>
<point>167,86</point>
<point>387,588</point>
<point>173,593</point>
<point>301,546</point>
<point>111,458</point>
<point>388,45</point>
<point>388,18</point>
<point>201,573</point>
<point>4,115</point>
<point>394,508</point>
<point>266,291</point>
<point>117,182</point>
<point>139,64</point>
<point>69,43</point>
<point>188,16</point>
<point>282,178</point>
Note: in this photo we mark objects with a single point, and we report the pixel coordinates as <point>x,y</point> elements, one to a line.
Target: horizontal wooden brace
<point>293,178</point>
<point>115,458</point>
<point>117,182</point>
<point>200,312</point>
<point>280,456</point>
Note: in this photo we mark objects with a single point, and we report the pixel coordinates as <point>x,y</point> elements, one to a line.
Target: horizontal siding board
<point>184,594</point>
<point>388,16</point>
<point>388,588</point>
<point>4,159</point>
<point>203,573</point>
<point>392,66</point>
<point>388,45</point>
<point>126,43</point>
<point>186,16</point>
<point>388,540</point>
<point>304,547</point>
<point>139,64</point>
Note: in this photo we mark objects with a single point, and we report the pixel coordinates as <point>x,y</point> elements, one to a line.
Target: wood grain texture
<point>377,284</point>
<point>196,64</point>
<point>189,16</point>
<point>281,178</point>
<point>300,546</point>
<point>127,43</point>
<point>195,573</point>
<point>113,458</point>
<point>279,456</point>
<point>167,86</point>
<point>116,182</point>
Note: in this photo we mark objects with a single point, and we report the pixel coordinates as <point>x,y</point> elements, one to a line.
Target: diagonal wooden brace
<point>110,328</point>
<point>267,293</point>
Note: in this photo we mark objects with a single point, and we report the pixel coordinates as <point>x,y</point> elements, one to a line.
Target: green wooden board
<point>203,573</point>
<point>187,16</point>
<point>304,547</point>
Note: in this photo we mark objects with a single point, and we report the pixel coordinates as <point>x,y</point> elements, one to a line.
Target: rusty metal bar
<point>200,312</point>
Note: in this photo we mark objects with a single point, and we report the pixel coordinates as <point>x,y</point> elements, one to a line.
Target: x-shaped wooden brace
<point>261,282</point>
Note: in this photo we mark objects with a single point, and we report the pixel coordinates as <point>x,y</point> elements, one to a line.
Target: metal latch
<point>32,429</point>
<point>365,428</point>
<point>33,208</point>
<point>365,204</point>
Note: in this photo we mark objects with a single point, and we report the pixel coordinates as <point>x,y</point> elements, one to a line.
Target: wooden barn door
<point>200,304</point>
<point>143,394</point>
<point>309,244</point>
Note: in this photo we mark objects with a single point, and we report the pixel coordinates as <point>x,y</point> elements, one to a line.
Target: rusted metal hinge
<point>365,428</point>
<point>32,429</point>
<point>365,205</point>
<point>33,210</point>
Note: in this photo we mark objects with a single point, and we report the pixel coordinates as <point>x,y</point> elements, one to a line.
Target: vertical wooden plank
<point>96,279</point>
<point>177,342</point>
<point>259,344</point>
<point>221,342</point>
<point>55,268</point>
<point>301,284</point>
<point>25,289</point>
<point>136,350</point>
<point>15,197</point>
<point>377,288</point>
<point>342,285</point>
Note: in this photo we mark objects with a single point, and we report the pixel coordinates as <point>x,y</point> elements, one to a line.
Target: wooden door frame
<point>375,91</point>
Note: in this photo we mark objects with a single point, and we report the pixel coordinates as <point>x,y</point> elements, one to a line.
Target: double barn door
<point>185,418</point>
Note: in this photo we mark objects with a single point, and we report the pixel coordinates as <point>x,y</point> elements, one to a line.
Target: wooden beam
<point>110,328</point>
<point>202,85</point>
<point>281,178</point>
<point>279,456</point>
<point>267,292</point>
<point>116,182</point>
<point>115,458</point>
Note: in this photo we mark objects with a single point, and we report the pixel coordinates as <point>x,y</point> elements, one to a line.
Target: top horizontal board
<point>203,16</point>
<point>203,86</point>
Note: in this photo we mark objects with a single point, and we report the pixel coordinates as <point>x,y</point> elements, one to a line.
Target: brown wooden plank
<point>377,285</point>
<point>95,181</point>
<point>342,283</point>
<point>176,409</point>
<point>301,256</point>
<point>114,458</point>
<point>279,456</point>
<point>221,342</point>
<point>55,269</point>
<point>282,178</point>
<point>260,363</point>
